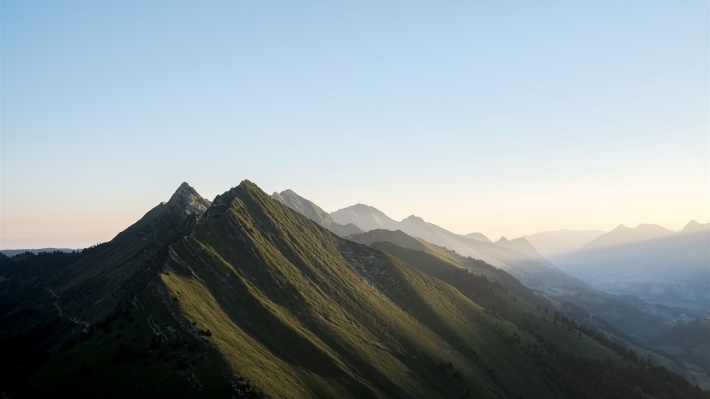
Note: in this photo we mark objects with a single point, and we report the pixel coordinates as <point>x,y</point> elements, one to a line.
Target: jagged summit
<point>189,200</point>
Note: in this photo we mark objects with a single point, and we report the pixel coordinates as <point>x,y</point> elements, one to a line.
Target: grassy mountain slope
<point>109,277</point>
<point>358,317</point>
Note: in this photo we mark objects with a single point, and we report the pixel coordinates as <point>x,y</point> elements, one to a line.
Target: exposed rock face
<point>188,200</point>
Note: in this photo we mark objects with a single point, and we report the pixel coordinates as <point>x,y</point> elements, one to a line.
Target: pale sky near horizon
<point>506,118</point>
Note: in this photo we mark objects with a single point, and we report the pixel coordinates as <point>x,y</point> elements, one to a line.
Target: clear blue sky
<point>501,117</point>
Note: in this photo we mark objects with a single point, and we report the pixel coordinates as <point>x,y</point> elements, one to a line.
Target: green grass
<point>294,299</point>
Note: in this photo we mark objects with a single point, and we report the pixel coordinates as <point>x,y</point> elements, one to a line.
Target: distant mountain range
<point>366,217</point>
<point>517,257</point>
<point>553,244</point>
<point>315,213</point>
<point>623,235</point>
<point>648,261</point>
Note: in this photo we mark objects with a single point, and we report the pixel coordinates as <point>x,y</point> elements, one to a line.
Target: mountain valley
<point>650,262</point>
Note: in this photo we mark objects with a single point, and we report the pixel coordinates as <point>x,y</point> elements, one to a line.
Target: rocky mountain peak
<point>188,199</point>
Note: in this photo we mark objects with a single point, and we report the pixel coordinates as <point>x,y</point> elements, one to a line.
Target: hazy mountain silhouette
<point>526,265</point>
<point>694,227</point>
<point>314,212</point>
<point>623,235</point>
<point>478,236</point>
<point>365,217</point>
<point>553,244</point>
<point>523,246</point>
<point>648,261</point>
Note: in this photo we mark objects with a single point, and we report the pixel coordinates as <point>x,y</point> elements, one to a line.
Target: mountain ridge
<point>530,267</point>
<point>638,262</point>
<point>552,244</point>
<point>622,235</point>
<point>249,298</point>
<point>314,212</point>
<point>366,217</point>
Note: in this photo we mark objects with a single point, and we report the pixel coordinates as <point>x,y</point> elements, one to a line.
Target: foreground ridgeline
<point>245,297</point>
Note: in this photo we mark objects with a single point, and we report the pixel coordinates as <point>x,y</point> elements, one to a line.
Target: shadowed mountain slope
<point>443,263</point>
<point>97,282</point>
